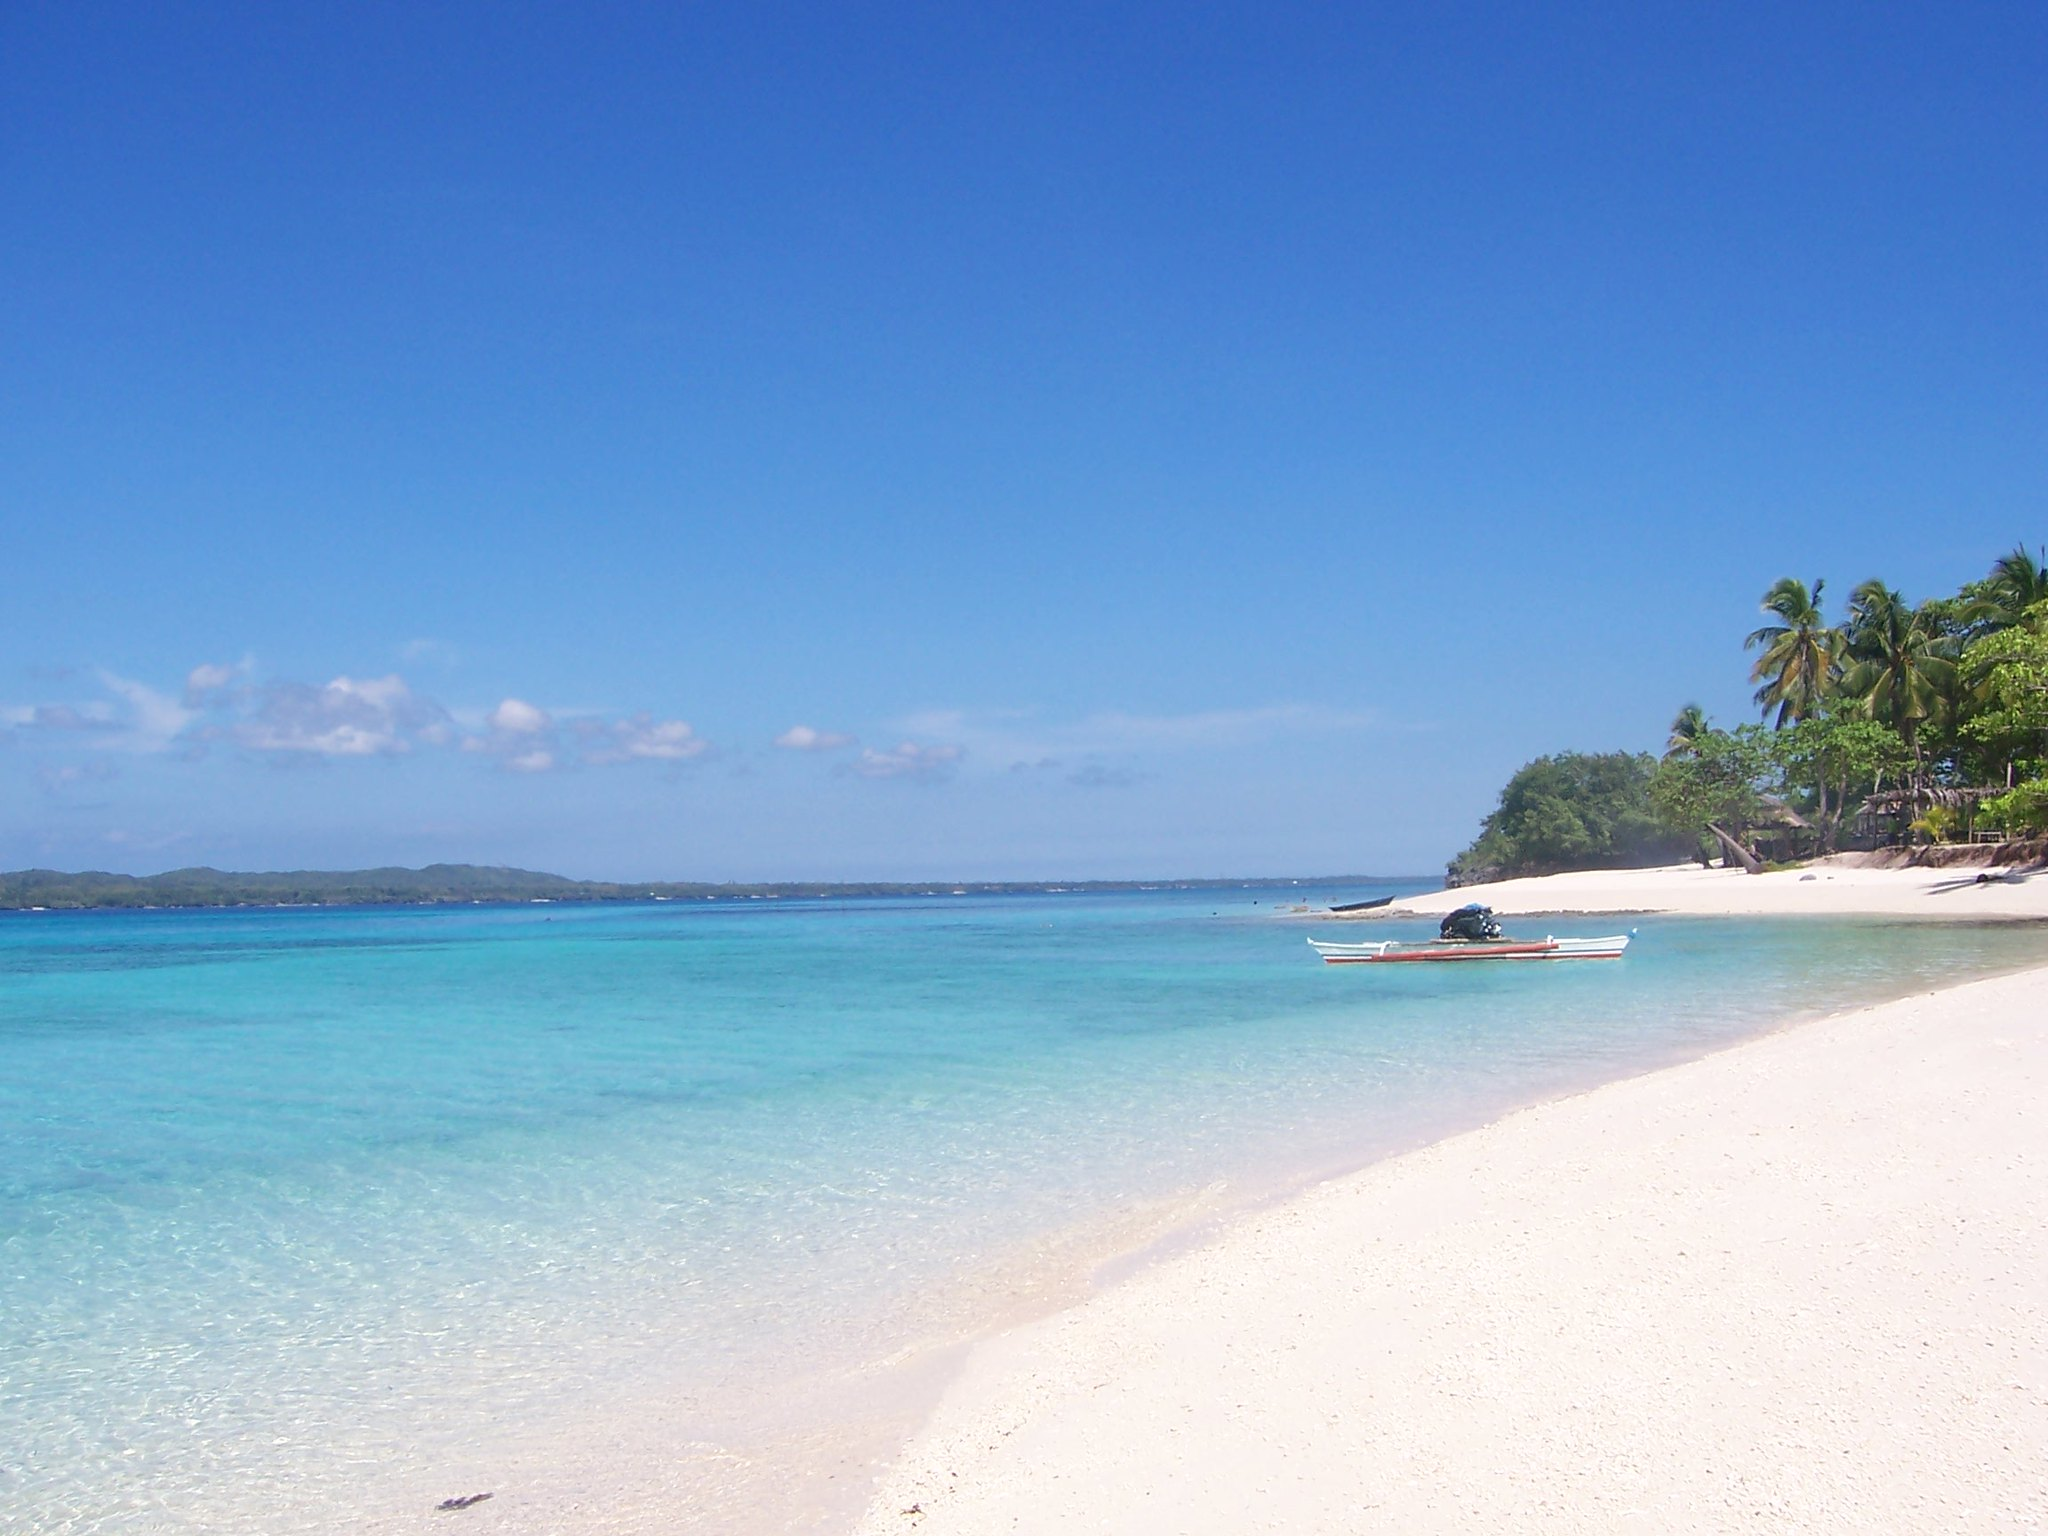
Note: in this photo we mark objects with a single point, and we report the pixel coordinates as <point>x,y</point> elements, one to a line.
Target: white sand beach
<point>1801,1285</point>
<point>1826,888</point>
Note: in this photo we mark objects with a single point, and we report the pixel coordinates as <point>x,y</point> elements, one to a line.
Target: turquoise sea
<point>306,1215</point>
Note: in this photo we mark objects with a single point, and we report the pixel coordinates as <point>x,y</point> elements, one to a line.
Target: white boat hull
<point>1384,951</point>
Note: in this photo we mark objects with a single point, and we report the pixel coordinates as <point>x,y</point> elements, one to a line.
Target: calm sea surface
<point>305,1212</point>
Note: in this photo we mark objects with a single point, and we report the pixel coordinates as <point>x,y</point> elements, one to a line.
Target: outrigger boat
<point>1364,906</point>
<point>1470,933</point>
<point>1474,949</point>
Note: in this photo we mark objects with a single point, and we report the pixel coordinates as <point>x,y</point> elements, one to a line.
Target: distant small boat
<point>1608,948</point>
<point>1362,906</point>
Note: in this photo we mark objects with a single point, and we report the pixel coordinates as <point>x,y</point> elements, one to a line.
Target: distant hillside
<point>304,887</point>
<point>55,890</point>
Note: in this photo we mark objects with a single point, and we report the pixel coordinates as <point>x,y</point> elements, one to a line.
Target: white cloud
<point>521,736</point>
<point>646,739</point>
<point>208,685</point>
<point>345,718</point>
<point>349,717</point>
<point>803,738</point>
<point>528,739</point>
<point>154,720</point>
<point>518,718</point>
<point>907,760</point>
<point>207,677</point>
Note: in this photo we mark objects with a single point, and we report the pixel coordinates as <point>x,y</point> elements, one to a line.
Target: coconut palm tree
<point>1687,727</point>
<point>2018,581</point>
<point>1897,663</point>
<point>1802,654</point>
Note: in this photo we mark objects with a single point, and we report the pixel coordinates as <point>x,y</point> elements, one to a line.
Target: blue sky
<point>1038,441</point>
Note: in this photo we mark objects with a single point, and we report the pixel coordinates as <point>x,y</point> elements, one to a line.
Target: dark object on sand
<point>1362,906</point>
<point>1470,922</point>
<point>463,1502</point>
<point>1985,877</point>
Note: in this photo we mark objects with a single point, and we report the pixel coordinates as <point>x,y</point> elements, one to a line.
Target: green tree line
<point>1938,709</point>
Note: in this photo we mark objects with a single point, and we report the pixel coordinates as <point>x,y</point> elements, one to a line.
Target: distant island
<point>54,890</point>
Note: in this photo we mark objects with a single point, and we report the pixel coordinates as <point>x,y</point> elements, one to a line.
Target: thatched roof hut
<point>1902,802</point>
<point>1776,813</point>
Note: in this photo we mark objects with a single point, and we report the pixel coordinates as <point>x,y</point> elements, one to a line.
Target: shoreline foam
<point>1792,1284</point>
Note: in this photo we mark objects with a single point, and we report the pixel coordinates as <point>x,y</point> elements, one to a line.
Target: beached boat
<point>1606,948</point>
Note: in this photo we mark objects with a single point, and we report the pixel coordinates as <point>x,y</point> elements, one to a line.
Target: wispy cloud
<point>434,652</point>
<point>154,721</point>
<point>1094,774</point>
<point>153,842</point>
<point>1103,750</point>
<point>129,717</point>
<point>210,678</point>
<point>60,779</point>
<point>95,716</point>
<point>349,717</point>
<point>1221,727</point>
<point>804,738</point>
<point>1016,737</point>
<point>1104,776</point>
<point>908,760</point>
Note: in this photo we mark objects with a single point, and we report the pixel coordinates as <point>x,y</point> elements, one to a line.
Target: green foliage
<point>1953,692</point>
<point>203,887</point>
<point>1899,659</point>
<point>1687,726</point>
<point>2020,810</point>
<point>1802,655</point>
<point>2017,583</point>
<point>1841,749</point>
<point>2010,665</point>
<point>1830,761</point>
<point>1938,823</point>
<point>1719,780</point>
<point>1573,810</point>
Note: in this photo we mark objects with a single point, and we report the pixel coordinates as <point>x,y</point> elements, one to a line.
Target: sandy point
<point>1825,888</point>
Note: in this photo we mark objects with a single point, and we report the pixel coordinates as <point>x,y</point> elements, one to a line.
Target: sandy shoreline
<point>1823,889</point>
<point>1797,1285</point>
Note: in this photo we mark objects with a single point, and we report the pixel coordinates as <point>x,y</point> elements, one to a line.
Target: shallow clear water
<point>294,1200</point>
